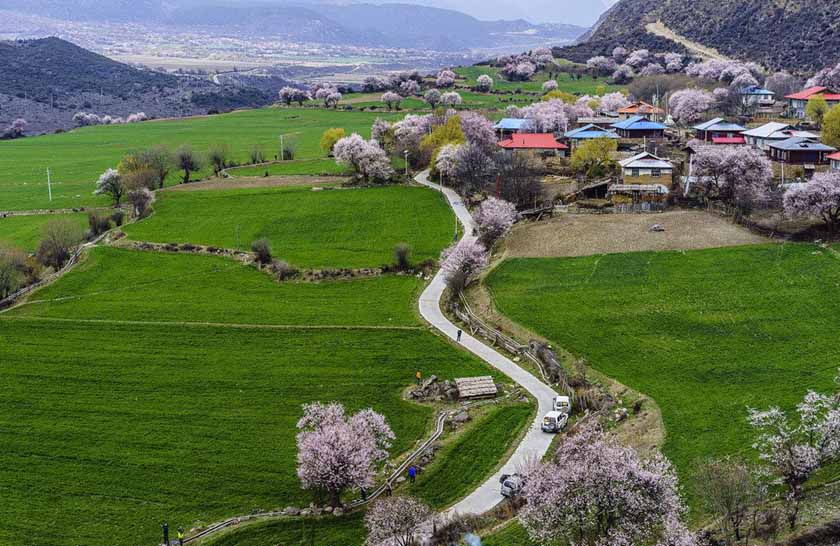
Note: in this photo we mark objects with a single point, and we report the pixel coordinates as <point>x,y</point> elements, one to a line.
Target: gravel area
<point>586,234</point>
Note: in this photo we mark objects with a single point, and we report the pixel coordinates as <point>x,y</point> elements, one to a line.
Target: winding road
<point>536,443</point>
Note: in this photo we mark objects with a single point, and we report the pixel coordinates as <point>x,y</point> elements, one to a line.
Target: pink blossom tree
<point>409,132</point>
<point>520,71</point>
<point>17,128</point>
<point>395,521</point>
<point>550,116</point>
<point>827,77</point>
<point>688,105</point>
<point>367,158</point>
<point>735,175</point>
<point>744,80</point>
<point>446,78</point>
<point>707,70</point>
<point>329,95</point>
<point>478,129</point>
<point>819,198</point>
<point>432,97</point>
<point>601,65</point>
<point>495,218</point>
<point>409,88</point>
<point>619,54</point>
<point>392,100</point>
<point>464,261</point>
<point>380,130</point>
<point>549,86</point>
<point>596,493</point>
<point>796,448</point>
<point>451,98</point>
<point>673,62</point>
<point>653,69</point>
<point>288,95</point>
<point>337,451</point>
<point>622,74</point>
<point>638,58</point>
<point>447,160</point>
<point>484,83</point>
<point>613,102</point>
<point>110,183</point>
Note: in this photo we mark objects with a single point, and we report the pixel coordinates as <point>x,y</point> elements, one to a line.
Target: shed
<point>476,387</point>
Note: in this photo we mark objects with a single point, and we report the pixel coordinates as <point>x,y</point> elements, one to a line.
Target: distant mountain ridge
<point>797,35</point>
<point>395,25</point>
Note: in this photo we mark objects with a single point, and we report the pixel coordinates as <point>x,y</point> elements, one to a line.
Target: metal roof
<point>766,130</point>
<point>638,123</point>
<point>645,160</point>
<point>512,124</point>
<point>753,90</point>
<point>706,124</point>
<point>532,141</point>
<point>589,132</point>
<point>720,124</point>
<point>799,143</point>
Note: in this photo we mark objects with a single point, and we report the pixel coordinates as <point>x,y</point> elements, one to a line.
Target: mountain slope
<point>799,35</point>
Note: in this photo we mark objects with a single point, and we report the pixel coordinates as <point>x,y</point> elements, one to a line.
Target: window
<point>656,172</point>
<point>634,172</point>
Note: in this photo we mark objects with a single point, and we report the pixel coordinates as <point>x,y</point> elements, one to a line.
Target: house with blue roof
<point>508,126</point>
<point>638,127</point>
<point>719,131</point>
<point>589,132</point>
<point>757,96</point>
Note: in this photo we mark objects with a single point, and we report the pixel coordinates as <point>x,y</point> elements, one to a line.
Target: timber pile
<point>476,387</point>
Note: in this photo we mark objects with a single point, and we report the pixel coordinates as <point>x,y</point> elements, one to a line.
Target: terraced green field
<point>322,166</point>
<point>331,228</point>
<point>348,531</point>
<point>706,333</point>
<point>116,415</point>
<point>586,85</point>
<point>25,232</point>
<point>78,157</point>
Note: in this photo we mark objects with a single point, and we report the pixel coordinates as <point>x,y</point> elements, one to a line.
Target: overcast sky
<point>577,12</point>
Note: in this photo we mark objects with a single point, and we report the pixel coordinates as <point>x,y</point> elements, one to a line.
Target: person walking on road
<point>459,335</point>
<point>412,473</point>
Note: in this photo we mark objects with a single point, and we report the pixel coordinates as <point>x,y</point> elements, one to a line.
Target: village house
<point>639,127</point>
<point>798,102</point>
<point>508,126</point>
<point>804,152</point>
<point>641,108</point>
<point>646,169</point>
<point>718,131</point>
<point>757,96</point>
<point>835,161</point>
<point>541,143</point>
<point>760,138</point>
<point>602,120</point>
<point>588,132</point>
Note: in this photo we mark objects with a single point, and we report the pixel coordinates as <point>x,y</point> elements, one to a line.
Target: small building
<point>835,161</point>
<point>798,102</point>
<point>641,108</point>
<point>638,197</point>
<point>543,143</point>
<point>757,96</point>
<point>589,132</point>
<point>603,120</point>
<point>800,151</point>
<point>508,126</point>
<point>760,138</point>
<point>639,127</point>
<point>646,169</point>
<point>718,131</point>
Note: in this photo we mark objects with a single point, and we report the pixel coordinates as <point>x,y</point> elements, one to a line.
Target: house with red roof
<point>835,161</point>
<point>641,108</point>
<point>542,143</point>
<point>798,102</point>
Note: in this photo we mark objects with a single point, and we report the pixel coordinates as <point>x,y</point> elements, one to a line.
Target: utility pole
<point>406,164</point>
<point>282,150</point>
<point>49,184</point>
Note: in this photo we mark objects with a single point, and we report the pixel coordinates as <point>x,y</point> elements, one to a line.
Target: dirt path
<point>659,29</point>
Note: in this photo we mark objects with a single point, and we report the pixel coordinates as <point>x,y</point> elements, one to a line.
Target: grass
<point>346,531</point>
<point>331,228</point>
<point>322,166</point>
<point>110,427</point>
<point>512,534</point>
<point>586,85</point>
<point>25,232</point>
<point>471,457</point>
<point>706,333</point>
<point>78,157</point>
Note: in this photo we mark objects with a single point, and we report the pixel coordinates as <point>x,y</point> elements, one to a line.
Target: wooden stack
<point>476,387</point>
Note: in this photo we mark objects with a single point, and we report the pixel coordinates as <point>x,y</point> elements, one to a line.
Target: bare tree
<point>59,239</point>
<point>188,161</point>
<point>730,490</point>
<point>12,264</point>
<point>521,179</point>
<point>218,156</point>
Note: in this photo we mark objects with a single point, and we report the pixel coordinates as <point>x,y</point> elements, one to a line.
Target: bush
<point>283,270</point>
<point>402,256</point>
<point>60,238</point>
<point>98,223</point>
<point>262,249</point>
<point>118,217</point>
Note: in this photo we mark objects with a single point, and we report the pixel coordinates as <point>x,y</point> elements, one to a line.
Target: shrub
<point>98,223</point>
<point>402,256</point>
<point>284,270</point>
<point>117,217</point>
<point>59,239</point>
<point>257,155</point>
<point>262,249</point>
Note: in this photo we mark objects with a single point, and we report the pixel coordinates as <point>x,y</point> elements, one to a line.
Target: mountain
<point>797,35</point>
<point>390,25</point>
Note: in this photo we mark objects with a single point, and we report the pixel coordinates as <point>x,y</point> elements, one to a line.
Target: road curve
<point>535,444</point>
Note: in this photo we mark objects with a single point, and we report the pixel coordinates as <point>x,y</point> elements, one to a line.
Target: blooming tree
<point>432,97</point>
<point>17,128</point>
<point>366,158</point>
<point>673,62</point>
<point>601,65</point>
<point>551,116</point>
<point>619,54</point>
<point>136,118</point>
<point>409,88</point>
<point>688,105</point>
<point>381,131</point>
<point>819,198</point>
<point>451,98</point>
<point>337,451</point>
<point>495,218</point>
<point>707,70</point>
<point>110,183</point>
<point>392,100</point>
<point>330,96</point>
<point>827,77</point>
<point>519,71</point>
<point>744,80</point>
<point>782,83</point>
<point>613,102</point>
<point>796,448</point>
<point>372,84</point>
<point>395,520</point>
<point>549,86</point>
<point>83,119</point>
<point>446,162</point>
<point>478,129</point>
<point>409,132</point>
<point>737,176</point>
<point>598,493</point>
<point>653,69</point>
<point>623,73</point>
<point>288,95</point>
<point>638,58</point>
<point>466,258</point>
<point>140,199</point>
<point>445,78</point>
<point>484,83</point>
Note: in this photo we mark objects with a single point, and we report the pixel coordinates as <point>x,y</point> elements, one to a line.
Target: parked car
<point>554,421</point>
<point>512,484</point>
<point>563,404</point>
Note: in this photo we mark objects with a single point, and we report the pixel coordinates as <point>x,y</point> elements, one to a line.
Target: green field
<point>458,468</point>
<point>348,531</point>
<point>586,85</point>
<point>512,534</point>
<point>25,232</point>
<point>114,416</point>
<point>330,228</point>
<point>77,158</point>
<point>324,166</point>
<point>706,333</point>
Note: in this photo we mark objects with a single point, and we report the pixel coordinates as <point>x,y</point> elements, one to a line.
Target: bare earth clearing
<point>587,234</point>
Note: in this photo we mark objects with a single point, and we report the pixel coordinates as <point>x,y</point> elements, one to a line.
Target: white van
<point>563,404</point>
<point>554,421</point>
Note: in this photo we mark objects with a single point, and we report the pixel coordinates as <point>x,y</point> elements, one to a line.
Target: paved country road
<point>535,444</point>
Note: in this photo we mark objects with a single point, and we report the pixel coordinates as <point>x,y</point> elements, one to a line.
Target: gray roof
<point>802,144</point>
<point>766,130</point>
<point>719,124</point>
